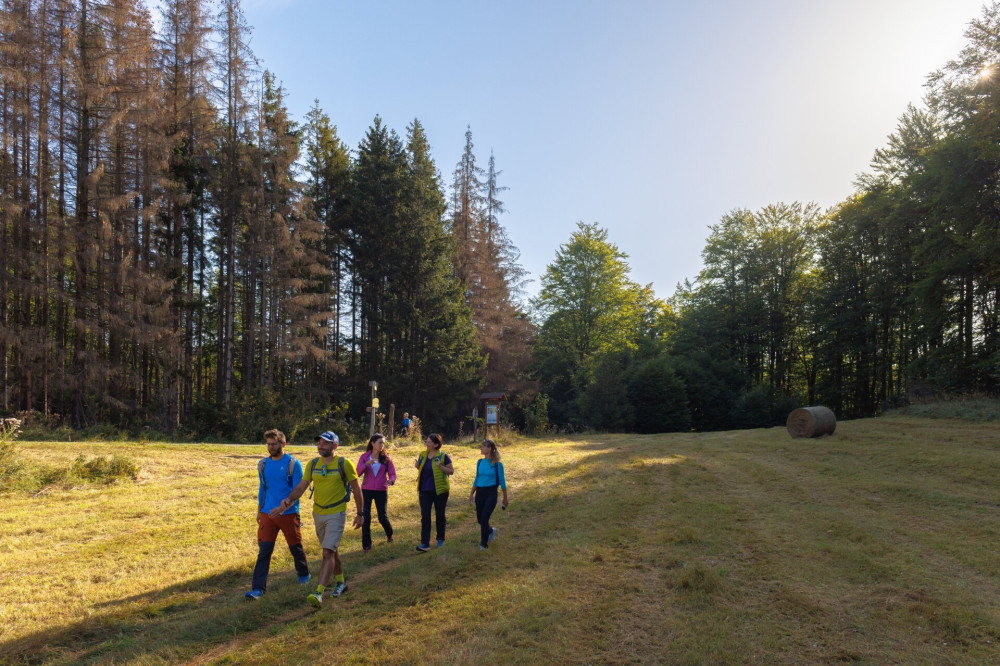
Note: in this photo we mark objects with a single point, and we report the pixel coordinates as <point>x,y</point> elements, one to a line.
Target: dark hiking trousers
<point>380,498</point>
<point>428,499</point>
<point>486,504</point>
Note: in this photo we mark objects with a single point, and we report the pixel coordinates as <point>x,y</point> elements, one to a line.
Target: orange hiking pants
<point>288,524</point>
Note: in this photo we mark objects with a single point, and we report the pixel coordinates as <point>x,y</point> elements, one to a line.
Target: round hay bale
<point>811,422</point>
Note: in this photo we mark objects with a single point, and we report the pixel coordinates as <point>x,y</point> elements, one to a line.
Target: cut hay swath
<point>811,422</point>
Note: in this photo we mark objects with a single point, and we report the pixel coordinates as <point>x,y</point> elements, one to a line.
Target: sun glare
<point>986,71</point>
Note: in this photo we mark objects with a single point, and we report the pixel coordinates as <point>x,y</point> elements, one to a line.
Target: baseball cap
<point>329,436</point>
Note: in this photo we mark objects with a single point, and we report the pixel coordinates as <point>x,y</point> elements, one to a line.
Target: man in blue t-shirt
<point>277,475</point>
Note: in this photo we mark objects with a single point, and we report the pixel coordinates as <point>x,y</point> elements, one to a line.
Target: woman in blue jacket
<point>489,477</point>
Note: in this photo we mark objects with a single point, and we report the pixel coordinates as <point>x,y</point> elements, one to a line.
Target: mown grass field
<point>877,545</point>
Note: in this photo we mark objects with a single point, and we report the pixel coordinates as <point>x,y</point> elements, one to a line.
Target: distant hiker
<point>432,487</point>
<point>406,424</point>
<point>334,480</point>
<point>489,477</point>
<point>378,472</point>
<point>277,475</point>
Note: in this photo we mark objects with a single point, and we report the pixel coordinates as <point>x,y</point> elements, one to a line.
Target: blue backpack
<point>291,471</point>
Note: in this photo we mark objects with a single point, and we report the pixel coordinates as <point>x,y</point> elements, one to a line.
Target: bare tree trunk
<point>82,229</point>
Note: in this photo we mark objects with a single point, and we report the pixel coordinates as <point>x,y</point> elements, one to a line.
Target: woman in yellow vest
<point>433,470</point>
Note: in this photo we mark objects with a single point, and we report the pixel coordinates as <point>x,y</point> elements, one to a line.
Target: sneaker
<point>493,535</point>
<point>440,542</point>
<point>423,548</point>
<point>339,589</point>
<point>305,579</point>
<point>482,548</point>
<point>367,549</point>
<point>254,595</point>
<point>388,539</point>
<point>315,599</point>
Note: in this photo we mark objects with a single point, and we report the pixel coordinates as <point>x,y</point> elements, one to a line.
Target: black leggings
<point>486,503</point>
<point>429,498</point>
<point>380,497</point>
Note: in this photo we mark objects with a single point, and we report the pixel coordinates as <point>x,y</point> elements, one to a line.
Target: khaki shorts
<point>330,528</point>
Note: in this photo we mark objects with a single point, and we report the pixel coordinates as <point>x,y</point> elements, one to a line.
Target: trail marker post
<point>374,385</point>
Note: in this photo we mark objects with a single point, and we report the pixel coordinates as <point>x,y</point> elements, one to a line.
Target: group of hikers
<point>335,481</point>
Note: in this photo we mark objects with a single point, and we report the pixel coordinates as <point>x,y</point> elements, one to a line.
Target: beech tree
<point>587,306</point>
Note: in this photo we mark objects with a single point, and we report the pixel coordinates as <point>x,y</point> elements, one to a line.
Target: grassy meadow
<point>876,545</point>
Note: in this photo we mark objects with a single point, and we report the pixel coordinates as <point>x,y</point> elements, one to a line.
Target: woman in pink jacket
<point>378,472</point>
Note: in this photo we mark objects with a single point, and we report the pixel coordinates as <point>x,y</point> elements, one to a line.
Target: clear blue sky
<point>652,119</point>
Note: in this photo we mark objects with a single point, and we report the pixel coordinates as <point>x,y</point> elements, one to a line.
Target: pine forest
<point>177,253</point>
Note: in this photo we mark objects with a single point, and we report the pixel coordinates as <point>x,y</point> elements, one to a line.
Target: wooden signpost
<point>374,407</point>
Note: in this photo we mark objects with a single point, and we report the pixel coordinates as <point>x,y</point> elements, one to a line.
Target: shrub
<point>604,405</point>
<point>712,386</point>
<point>10,466</point>
<point>17,473</point>
<point>103,432</point>
<point>416,429</point>
<point>763,407</point>
<point>9,429</point>
<point>208,421</point>
<point>658,398</point>
<point>962,407</point>
<point>104,470</point>
<point>536,415</point>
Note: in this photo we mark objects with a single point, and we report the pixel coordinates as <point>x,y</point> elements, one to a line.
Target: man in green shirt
<point>334,480</point>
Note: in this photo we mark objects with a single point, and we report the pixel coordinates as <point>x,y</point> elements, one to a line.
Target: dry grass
<point>876,545</point>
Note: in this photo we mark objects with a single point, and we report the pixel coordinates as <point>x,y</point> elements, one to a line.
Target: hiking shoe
<point>367,549</point>
<point>493,535</point>
<point>305,579</point>
<point>254,595</point>
<point>340,588</point>
<point>315,600</point>
<point>423,548</point>
<point>440,542</point>
<point>388,539</point>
